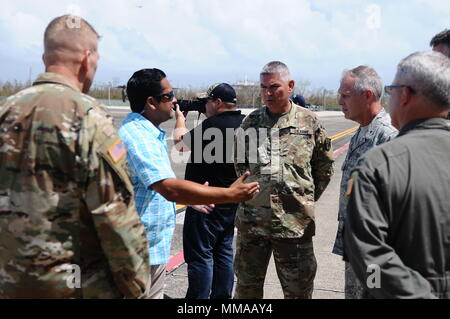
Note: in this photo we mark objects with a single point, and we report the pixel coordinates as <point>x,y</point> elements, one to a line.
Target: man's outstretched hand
<point>243,192</point>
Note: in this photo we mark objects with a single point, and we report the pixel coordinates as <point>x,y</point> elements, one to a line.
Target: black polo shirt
<point>211,156</point>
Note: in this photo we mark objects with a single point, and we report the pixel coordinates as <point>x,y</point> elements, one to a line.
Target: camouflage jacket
<point>379,131</point>
<point>292,159</point>
<point>66,199</point>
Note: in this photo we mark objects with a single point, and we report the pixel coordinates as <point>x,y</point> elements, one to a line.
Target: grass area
<point>248,96</point>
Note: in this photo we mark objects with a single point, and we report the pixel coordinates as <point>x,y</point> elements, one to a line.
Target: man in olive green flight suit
<point>397,231</point>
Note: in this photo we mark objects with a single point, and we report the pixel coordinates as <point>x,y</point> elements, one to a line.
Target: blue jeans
<point>208,252</point>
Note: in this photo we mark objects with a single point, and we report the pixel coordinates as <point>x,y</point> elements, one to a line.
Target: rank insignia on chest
<point>117,151</point>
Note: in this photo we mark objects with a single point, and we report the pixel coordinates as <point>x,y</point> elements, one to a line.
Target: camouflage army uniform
<point>379,131</point>
<point>293,171</point>
<point>66,199</point>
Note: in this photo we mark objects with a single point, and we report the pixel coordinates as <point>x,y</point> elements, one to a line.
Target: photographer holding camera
<point>209,229</point>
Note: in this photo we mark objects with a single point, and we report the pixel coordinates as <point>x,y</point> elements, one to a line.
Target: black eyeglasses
<point>388,88</point>
<point>166,97</point>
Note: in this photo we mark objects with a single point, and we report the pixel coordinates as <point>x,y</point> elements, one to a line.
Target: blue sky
<point>199,42</point>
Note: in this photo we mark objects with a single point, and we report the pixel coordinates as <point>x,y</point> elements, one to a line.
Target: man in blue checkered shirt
<point>156,188</point>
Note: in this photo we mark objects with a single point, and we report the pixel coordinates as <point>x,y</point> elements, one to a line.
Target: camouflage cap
<point>222,91</point>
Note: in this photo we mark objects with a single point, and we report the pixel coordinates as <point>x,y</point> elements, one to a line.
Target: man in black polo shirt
<point>208,230</point>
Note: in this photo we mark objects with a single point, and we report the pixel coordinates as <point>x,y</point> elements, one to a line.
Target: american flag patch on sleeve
<point>117,151</point>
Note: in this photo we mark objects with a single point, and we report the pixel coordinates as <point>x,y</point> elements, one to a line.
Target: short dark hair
<point>442,37</point>
<point>142,85</point>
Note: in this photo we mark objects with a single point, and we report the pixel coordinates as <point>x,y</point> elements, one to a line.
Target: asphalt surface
<point>329,282</point>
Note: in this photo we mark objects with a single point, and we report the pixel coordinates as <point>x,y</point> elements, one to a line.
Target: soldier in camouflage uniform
<point>66,200</point>
<point>293,164</point>
<point>360,97</point>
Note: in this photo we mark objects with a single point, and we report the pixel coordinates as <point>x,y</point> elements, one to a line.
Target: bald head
<point>67,38</point>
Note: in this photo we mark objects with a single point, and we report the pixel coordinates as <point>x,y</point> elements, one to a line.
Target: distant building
<point>246,83</point>
<point>249,93</point>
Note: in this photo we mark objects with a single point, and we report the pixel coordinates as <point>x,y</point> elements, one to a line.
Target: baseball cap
<point>222,91</point>
<point>298,99</point>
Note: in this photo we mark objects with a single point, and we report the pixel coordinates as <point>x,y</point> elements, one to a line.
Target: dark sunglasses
<point>388,88</point>
<point>166,97</point>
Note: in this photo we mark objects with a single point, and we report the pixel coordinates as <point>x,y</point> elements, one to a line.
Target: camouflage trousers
<point>354,288</point>
<point>294,261</point>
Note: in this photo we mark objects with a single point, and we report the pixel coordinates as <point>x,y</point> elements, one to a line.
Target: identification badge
<point>117,151</point>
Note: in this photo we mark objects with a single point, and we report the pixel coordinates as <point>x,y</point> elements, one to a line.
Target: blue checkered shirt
<point>149,163</point>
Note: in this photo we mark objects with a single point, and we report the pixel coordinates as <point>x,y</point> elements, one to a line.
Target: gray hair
<point>277,67</point>
<point>366,78</point>
<point>429,74</point>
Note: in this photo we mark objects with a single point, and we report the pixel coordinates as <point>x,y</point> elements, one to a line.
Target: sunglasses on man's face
<point>166,97</point>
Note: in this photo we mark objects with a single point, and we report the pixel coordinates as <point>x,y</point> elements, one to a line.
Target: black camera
<point>198,105</point>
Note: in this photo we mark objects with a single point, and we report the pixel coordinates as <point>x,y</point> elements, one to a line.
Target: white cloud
<point>200,41</point>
